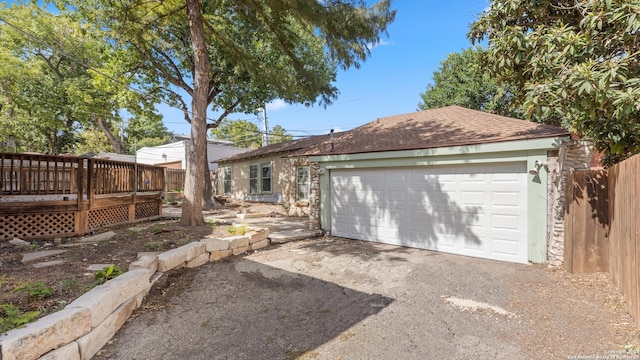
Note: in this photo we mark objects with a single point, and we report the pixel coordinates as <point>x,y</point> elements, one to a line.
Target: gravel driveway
<point>343,299</point>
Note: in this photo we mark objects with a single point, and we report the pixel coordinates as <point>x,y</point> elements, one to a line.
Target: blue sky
<point>389,82</point>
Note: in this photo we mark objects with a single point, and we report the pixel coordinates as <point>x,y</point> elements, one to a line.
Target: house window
<point>266,177</point>
<point>253,179</point>
<point>302,183</point>
<point>227,179</point>
<point>260,178</point>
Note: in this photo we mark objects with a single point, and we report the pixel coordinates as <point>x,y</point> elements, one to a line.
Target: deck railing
<point>46,196</point>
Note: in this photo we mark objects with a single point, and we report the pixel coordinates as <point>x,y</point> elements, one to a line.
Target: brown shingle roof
<point>284,147</point>
<point>435,128</point>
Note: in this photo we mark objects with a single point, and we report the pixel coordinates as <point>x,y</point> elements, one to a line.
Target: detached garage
<point>449,179</point>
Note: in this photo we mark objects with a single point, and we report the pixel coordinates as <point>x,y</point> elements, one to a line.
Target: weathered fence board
<point>601,226</point>
<point>586,222</point>
<point>174,179</point>
<point>624,237</point>
<point>51,196</point>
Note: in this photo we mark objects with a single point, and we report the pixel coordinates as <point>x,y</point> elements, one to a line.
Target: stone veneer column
<point>291,205</point>
<point>573,155</point>
<point>314,196</point>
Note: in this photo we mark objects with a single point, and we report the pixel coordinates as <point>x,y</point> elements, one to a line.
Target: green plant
<point>11,317</point>
<point>158,228</point>
<point>34,290</point>
<point>237,230</point>
<point>151,246</point>
<point>107,273</point>
<point>211,223</point>
<point>69,283</point>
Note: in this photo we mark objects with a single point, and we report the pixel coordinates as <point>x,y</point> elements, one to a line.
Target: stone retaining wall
<point>83,327</point>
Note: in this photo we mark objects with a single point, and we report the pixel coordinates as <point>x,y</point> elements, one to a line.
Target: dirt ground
<point>332,298</point>
<point>72,278</point>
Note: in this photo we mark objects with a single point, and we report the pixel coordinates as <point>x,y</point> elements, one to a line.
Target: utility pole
<point>265,130</point>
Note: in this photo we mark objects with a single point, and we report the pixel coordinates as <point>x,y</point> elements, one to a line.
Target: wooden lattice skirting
<point>37,225</point>
<point>33,222</point>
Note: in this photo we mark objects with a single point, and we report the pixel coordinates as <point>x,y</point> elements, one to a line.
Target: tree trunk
<point>207,200</point>
<point>194,181</point>
<point>117,146</point>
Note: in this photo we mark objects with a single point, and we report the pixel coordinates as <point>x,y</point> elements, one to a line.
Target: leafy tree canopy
<point>235,55</point>
<point>55,83</point>
<point>461,80</point>
<point>245,133</point>
<point>575,63</point>
<point>278,134</point>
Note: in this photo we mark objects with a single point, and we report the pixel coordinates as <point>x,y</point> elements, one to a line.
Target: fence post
<point>568,222</point>
<point>133,185</point>
<point>81,212</point>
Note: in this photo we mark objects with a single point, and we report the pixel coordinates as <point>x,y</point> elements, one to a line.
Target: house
<point>174,155</point>
<point>272,173</point>
<point>115,157</point>
<point>448,179</point>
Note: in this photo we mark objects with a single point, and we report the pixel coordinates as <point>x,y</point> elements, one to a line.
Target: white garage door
<point>473,210</point>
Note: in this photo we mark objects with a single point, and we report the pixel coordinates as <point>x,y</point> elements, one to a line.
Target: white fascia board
<point>507,146</point>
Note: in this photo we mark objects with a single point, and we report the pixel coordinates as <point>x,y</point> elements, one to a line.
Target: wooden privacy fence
<point>601,227</point>
<point>587,222</point>
<point>174,179</point>
<point>54,196</point>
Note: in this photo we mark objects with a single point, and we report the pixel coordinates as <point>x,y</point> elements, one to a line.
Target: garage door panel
<point>472,179</point>
<point>506,247</point>
<point>505,222</point>
<point>468,210</point>
<point>511,199</point>
<point>505,178</point>
<point>468,198</point>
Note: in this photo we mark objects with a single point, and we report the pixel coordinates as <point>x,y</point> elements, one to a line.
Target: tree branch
<point>183,105</point>
<point>179,80</point>
<point>229,109</point>
<point>48,61</point>
<point>174,76</point>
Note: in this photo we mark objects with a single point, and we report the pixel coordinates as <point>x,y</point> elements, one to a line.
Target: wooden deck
<point>57,196</point>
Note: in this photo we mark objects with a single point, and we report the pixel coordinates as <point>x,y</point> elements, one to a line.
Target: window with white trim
<point>265,176</point>
<point>227,179</point>
<point>260,178</point>
<point>302,183</point>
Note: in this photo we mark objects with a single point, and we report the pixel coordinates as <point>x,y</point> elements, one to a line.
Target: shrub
<point>237,230</point>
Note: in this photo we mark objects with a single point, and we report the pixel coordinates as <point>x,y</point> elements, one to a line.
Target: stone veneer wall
<point>314,196</point>
<point>310,208</point>
<point>573,155</point>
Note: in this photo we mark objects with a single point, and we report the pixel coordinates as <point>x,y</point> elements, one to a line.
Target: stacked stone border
<point>84,326</point>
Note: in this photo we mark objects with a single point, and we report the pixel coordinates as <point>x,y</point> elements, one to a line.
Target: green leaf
<point>617,148</point>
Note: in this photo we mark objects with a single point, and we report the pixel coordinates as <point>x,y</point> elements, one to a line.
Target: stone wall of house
<point>314,196</point>
<point>573,155</point>
<point>291,205</point>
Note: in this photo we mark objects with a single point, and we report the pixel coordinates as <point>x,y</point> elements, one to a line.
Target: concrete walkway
<point>281,229</point>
